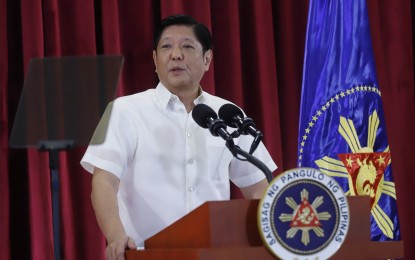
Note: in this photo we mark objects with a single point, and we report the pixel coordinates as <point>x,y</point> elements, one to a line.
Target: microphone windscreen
<point>201,114</point>
<point>227,113</point>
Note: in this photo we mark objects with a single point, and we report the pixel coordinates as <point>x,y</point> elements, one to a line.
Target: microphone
<point>206,117</point>
<point>234,117</point>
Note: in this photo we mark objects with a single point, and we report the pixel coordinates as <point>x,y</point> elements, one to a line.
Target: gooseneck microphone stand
<point>236,150</point>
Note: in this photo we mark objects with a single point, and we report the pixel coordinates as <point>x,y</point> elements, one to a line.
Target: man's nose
<point>176,53</point>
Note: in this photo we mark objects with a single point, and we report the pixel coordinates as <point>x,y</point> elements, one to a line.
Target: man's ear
<point>208,58</point>
<point>154,59</point>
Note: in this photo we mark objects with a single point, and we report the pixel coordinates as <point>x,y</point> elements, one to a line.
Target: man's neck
<point>187,96</point>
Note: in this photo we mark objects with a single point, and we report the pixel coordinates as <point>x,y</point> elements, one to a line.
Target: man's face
<point>179,58</point>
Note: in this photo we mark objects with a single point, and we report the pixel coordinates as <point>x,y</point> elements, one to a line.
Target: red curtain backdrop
<point>258,57</point>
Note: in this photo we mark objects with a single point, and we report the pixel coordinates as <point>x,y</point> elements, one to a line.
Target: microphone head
<point>228,112</point>
<point>201,114</point>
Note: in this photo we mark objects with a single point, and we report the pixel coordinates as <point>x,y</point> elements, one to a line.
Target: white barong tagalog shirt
<point>166,163</point>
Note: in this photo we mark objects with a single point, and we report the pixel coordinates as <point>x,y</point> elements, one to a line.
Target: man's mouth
<point>176,68</point>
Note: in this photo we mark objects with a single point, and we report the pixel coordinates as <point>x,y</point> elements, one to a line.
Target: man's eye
<point>165,46</point>
<point>188,47</point>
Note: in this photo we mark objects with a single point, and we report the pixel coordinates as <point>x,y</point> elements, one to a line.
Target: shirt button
<point>191,189</point>
<point>190,161</point>
<point>189,135</point>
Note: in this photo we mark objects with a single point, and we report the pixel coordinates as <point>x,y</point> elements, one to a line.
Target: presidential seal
<point>303,214</point>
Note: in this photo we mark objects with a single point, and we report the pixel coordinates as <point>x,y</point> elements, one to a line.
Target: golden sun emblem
<point>364,169</point>
<point>305,217</point>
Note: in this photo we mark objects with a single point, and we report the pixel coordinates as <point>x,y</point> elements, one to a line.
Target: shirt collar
<point>201,98</point>
<point>165,97</point>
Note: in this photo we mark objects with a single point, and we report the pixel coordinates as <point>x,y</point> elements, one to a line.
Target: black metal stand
<point>53,147</point>
<point>236,150</point>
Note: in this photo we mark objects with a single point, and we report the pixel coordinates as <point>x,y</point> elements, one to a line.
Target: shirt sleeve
<point>119,145</point>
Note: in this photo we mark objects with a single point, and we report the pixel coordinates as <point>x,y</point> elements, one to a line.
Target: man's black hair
<point>200,30</point>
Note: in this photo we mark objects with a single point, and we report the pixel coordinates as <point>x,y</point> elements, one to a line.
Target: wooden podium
<point>228,230</point>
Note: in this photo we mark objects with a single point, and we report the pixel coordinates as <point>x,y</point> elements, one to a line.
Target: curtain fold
<point>290,21</point>
<point>228,62</point>
<point>259,71</point>
<point>4,125</point>
<point>257,64</point>
<point>393,50</point>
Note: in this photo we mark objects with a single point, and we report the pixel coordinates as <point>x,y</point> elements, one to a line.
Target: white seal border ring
<point>266,221</point>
